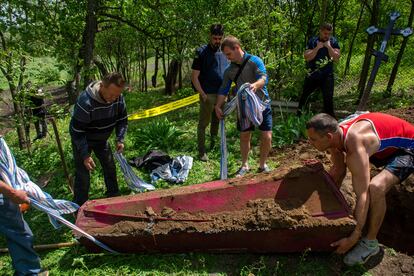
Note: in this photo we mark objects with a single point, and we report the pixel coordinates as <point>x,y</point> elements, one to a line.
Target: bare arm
<point>334,53</point>
<point>338,169</point>
<point>261,75</point>
<point>194,78</point>
<point>358,163</point>
<point>17,196</point>
<point>310,54</point>
<point>258,85</point>
<point>218,107</point>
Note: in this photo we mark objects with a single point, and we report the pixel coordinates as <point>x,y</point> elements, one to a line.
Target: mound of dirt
<point>398,226</point>
<point>300,153</point>
<point>403,113</point>
<point>390,262</point>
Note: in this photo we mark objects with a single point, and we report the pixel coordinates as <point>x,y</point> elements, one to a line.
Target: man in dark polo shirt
<point>98,111</point>
<point>207,74</point>
<point>320,54</point>
<point>253,72</point>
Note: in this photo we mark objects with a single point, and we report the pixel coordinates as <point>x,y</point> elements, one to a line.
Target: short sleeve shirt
<point>322,61</point>
<point>211,64</point>
<point>252,72</point>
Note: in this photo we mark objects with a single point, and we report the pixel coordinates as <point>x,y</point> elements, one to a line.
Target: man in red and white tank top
<point>381,139</point>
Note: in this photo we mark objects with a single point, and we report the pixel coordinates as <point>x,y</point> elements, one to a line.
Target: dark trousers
<point>103,152</point>
<point>19,239</point>
<point>207,115</point>
<point>40,125</point>
<point>326,84</point>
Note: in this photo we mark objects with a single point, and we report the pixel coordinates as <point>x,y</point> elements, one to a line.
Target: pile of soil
<point>398,226</point>
<point>403,113</point>
<point>300,153</point>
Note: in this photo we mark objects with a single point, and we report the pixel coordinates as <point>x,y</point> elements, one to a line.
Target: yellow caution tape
<point>164,108</point>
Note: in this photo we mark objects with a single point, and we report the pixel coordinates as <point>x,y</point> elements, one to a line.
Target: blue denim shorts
<point>400,164</point>
<point>266,124</point>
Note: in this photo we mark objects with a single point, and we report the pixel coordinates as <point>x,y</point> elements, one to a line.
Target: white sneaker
<point>361,253</point>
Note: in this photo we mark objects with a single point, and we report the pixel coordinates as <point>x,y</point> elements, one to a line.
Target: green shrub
<point>290,128</point>
<point>159,134</point>
<point>48,75</point>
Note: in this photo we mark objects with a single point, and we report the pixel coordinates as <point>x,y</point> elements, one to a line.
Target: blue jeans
<point>19,238</point>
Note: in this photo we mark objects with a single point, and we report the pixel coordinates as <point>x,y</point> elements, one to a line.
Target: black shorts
<point>400,164</point>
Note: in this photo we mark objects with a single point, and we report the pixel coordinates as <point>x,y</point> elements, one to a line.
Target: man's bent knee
<point>376,190</point>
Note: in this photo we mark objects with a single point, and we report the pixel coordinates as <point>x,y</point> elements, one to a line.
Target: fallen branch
<point>46,246</point>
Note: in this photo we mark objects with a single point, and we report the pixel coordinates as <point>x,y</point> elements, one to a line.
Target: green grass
<point>77,261</point>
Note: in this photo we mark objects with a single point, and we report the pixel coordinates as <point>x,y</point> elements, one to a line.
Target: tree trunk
<point>139,84</point>
<point>309,30</point>
<point>400,53</point>
<point>171,78</point>
<point>351,45</point>
<point>337,8</point>
<point>164,67</point>
<point>19,118</point>
<point>14,91</point>
<point>368,50</point>
<point>142,87</point>
<point>73,87</point>
<point>25,111</point>
<point>324,8</point>
<point>154,77</point>
<point>89,33</point>
<point>180,75</point>
<point>145,68</point>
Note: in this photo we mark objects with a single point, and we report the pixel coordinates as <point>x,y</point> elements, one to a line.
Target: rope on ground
<point>249,112</point>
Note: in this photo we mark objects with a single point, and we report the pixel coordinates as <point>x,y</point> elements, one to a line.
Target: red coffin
<point>314,190</point>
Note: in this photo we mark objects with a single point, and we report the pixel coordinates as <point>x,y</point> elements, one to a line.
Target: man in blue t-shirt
<point>320,54</point>
<point>253,72</point>
<point>207,74</point>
